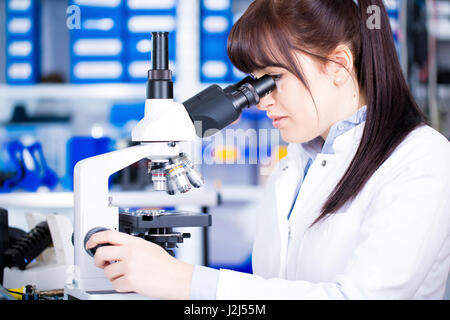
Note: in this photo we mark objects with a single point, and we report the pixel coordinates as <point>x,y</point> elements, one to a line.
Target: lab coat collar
<point>349,141</point>
<point>343,144</point>
<point>313,148</point>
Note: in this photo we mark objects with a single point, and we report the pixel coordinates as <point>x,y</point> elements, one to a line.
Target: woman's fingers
<point>109,236</point>
<point>115,270</point>
<point>105,255</point>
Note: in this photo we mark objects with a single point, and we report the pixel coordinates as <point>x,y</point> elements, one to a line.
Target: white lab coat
<point>391,242</point>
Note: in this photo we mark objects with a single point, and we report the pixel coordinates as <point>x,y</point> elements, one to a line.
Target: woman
<point>359,209</point>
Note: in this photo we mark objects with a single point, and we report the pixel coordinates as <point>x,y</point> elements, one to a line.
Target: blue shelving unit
<point>216,21</point>
<point>143,18</point>
<point>97,49</point>
<point>22,42</point>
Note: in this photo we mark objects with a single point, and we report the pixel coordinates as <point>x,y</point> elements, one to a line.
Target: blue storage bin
<point>97,48</point>
<point>22,7</point>
<point>99,25</point>
<point>22,27</point>
<point>22,72</point>
<point>21,49</point>
<point>216,25</point>
<point>99,7</point>
<point>212,71</point>
<point>151,6</point>
<point>139,47</point>
<point>215,6</point>
<point>137,70</point>
<point>97,71</point>
<point>145,24</point>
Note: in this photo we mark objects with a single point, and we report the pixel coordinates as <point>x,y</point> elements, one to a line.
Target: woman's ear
<point>341,69</point>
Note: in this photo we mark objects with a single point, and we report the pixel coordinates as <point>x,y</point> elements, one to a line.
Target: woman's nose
<point>266,102</point>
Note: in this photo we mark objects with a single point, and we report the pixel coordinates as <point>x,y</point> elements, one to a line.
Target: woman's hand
<point>141,266</point>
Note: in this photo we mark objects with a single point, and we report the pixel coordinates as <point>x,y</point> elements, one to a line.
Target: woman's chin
<point>292,136</point>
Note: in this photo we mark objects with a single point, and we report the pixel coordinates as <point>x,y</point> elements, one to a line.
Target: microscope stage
<point>135,221</point>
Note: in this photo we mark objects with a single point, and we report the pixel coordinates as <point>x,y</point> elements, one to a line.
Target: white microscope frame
<point>164,123</point>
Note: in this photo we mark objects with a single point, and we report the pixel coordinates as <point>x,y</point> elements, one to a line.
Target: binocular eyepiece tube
<point>215,108</point>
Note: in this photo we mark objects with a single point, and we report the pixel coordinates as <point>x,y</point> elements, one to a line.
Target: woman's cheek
<point>279,85</point>
<point>292,132</point>
<point>297,131</point>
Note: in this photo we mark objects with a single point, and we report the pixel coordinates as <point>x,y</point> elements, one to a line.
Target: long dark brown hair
<point>270,31</point>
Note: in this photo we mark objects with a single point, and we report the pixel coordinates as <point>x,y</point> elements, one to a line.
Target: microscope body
<point>165,132</point>
<point>166,126</point>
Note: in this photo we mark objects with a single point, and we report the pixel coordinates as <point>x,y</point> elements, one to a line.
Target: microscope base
<point>71,293</point>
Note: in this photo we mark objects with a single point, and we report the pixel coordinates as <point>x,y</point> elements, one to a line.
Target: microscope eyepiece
<point>215,108</point>
<point>160,51</point>
<point>264,85</point>
<point>160,84</point>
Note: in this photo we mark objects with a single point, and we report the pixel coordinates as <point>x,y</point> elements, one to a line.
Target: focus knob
<point>88,235</point>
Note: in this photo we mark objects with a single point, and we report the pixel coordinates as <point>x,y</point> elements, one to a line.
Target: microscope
<point>167,130</point>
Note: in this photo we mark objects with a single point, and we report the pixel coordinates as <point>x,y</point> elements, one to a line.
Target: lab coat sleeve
<point>403,233</point>
<point>204,283</point>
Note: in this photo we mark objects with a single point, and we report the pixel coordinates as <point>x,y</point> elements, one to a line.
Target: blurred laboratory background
<point>72,85</point>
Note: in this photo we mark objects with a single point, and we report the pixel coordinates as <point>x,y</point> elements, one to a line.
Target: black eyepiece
<point>160,85</point>
<point>160,51</point>
<point>264,85</point>
<point>253,90</point>
<point>215,108</point>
